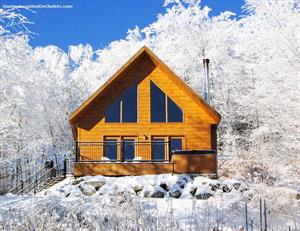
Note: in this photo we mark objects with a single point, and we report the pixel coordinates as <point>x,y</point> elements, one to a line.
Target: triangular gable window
<point>174,112</point>
<point>159,107</point>
<point>158,104</point>
<point>128,114</point>
<point>112,113</point>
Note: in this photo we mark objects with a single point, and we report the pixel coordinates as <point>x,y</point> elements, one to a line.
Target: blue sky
<point>99,22</point>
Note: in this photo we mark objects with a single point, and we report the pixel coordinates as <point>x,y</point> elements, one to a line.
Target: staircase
<point>50,182</point>
<point>44,178</point>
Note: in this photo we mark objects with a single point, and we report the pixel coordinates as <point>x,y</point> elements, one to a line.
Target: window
<point>174,112</point>
<point>112,114</point>
<point>129,105</point>
<point>129,108</point>
<point>175,144</point>
<point>129,149</point>
<point>111,149</point>
<point>158,104</point>
<point>158,149</point>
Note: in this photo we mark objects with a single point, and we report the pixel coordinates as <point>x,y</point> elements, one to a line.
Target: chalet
<point>145,120</point>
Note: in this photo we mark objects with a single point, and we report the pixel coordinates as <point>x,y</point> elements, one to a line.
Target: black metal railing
<point>123,151</point>
<point>40,178</point>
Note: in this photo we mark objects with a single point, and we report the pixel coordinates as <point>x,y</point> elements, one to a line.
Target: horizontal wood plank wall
<point>195,129</point>
<point>195,163</point>
<point>121,169</point>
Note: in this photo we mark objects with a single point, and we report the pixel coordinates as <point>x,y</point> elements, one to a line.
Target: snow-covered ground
<point>136,203</point>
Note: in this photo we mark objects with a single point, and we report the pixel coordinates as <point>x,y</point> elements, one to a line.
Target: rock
<point>87,189</point>
<point>75,193</point>
<point>158,194</point>
<point>76,181</point>
<point>175,194</point>
<point>96,183</point>
<point>298,196</point>
<point>108,189</point>
<point>165,186</point>
<point>225,188</point>
<point>236,186</point>
<point>243,188</point>
<point>203,196</point>
<point>147,193</point>
<point>175,191</point>
<point>214,187</point>
<point>193,190</point>
<point>181,184</point>
<point>137,188</point>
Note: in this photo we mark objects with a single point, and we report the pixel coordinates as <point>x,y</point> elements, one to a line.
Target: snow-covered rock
<point>87,189</point>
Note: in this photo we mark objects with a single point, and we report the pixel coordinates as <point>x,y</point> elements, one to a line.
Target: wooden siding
<point>121,169</point>
<point>196,128</point>
<point>195,163</point>
<point>181,163</point>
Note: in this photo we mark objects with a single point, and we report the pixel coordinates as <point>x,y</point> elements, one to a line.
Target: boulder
<point>181,183</point>
<point>236,186</point>
<point>165,186</point>
<point>158,194</point>
<point>108,189</point>
<point>96,183</point>
<point>193,190</point>
<point>137,187</point>
<point>225,188</point>
<point>203,196</point>
<point>175,193</point>
<point>76,181</point>
<point>87,189</point>
<point>203,193</point>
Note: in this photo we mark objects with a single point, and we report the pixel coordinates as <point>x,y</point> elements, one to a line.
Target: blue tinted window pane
<point>112,113</point>
<point>175,144</point>
<point>129,105</point>
<point>158,149</point>
<point>111,149</point>
<point>158,104</point>
<point>128,149</point>
<point>174,112</point>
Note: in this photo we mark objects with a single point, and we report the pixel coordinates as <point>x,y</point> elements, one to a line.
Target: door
<point>110,148</point>
<point>128,149</point>
<point>159,148</point>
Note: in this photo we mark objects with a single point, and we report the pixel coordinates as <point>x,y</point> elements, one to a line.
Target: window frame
<point>121,108</point>
<point>166,107</point>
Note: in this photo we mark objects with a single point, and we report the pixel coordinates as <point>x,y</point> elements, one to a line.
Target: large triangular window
<point>163,108</point>
<point>174,112</point>
<point>158,104</point>
<point>128,103</point>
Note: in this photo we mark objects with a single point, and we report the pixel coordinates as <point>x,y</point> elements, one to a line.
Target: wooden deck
<point>179,164</point>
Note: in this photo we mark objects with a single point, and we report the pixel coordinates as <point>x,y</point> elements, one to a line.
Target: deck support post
<point>76,151</point>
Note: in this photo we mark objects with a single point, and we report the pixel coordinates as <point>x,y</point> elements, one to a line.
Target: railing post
<point>169,149</point>
<point>65,167</point>
<point>76,151</point>
<point>22,184</point>
<point>122,150</point>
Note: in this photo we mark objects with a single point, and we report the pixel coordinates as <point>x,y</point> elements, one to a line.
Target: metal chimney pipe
<point>207,85</point>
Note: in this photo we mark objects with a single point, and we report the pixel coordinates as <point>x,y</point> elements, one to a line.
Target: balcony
<point>113,158</point>
<point>124,151</point>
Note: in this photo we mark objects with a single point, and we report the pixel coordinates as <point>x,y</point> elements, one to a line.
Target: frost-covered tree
<point>254,79</point>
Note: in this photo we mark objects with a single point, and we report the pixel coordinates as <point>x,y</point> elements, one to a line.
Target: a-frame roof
<point>158,63</point>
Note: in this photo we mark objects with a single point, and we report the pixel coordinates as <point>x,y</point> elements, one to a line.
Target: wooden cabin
<point>145,120</point>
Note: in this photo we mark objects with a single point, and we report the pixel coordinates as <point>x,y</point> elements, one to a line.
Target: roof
<point>158,63</point>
